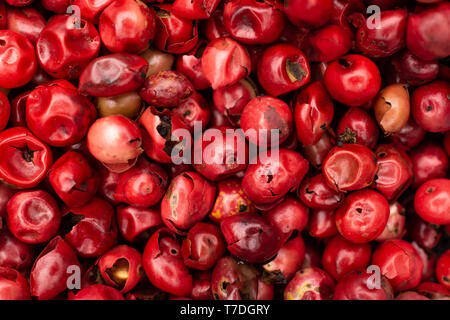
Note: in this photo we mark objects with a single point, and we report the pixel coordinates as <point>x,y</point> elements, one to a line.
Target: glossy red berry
<point>341,256</point>
<point>362,216</point>
<point>27,21</point>
<point>198,9</point>
<point>268,181</point>
<point>322,223</point>
<point>316,194</point>
<point>429,161</point>
<point>91,229</point>
<point>113,74</point>
<point>353,80</point>
<point>26,159</point>
<point>350,167</point>
<point>396,226</point>
<point>430,106</point>
<point>357,126</point>
<point>283,68</point>
<point>49,274</point>
<point>18,59</point>
<point>308,13</point>
<point>203,246</point>
<point>14,285</point>
<point>432,201</point>
<point>254,22</point>
<point>63,49</point>
<point>57,114</point>
<point>164,265</point>
<point>190,64</point>
<point>225,62</point>
<point>353,286</point>
<point>127,26</point>
<point>96,292</point>
<point>137,224</point>
<point>5,111</point>
<point>15,253</point>
<point>187,201</point>
<point>400,263</point>
<point>443,269</point>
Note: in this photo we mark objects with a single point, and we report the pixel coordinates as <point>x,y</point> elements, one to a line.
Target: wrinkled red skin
<point>283,68</point>
<point>193,10</point>
<point>313,113</point>
<point>127,26</point>
<point>231,200</point>
<point>18,107</point>
<point>63,51</point>
<point>428,32</point>
<point>113,74</point>
<point>414,70</point>
<point>158,141</point>
<point>357,126</point>
<point>353,80</point>
<point>350,167</point>
<point>432,201</point>
<point>223,157</point>
<point>49,273</point>
<point>166,89</point>
<point>288,216</point>
<point>251,238</point>
<point>195,108</point>
<point>430,106</point>
<point>214,27</point>
<point>353,286</point>
<point>190,65</point>
<point>429,161</point>
<point>15,253</point>
<point>26,21</point>
<point>225,62</point>
<point>174,34</point>
<point>201,289</point>
<point>203,246</point>
<point>409,136</point>
<point>14,285</point>
<point>342,9</point>
<point>134,270</point>
<point>316,194</point>
<point>137,223</point>
<point>429,261</point>
<point>188,200</point>
<point>362,216</point>
<point>327,43</point>
<point>73,179</point>
<point>254,22</point>
<point>308,13</point>
<point>164,265</point>
<point>93,228</point>
<point>434,291</point>
<point>288,260</point>
<point>25,159</point>
<point>57,6</point>
<point>231,100</point>
<point>143,185</point>
<point>342,256</point>
<point>96,292</point>
<point>310,284</point>
<point>5,111</point>
<point>115,141</point>
<point>399,263</point>
<point>6,192</point>
<point>383,40</point>
<point>233,280</point>
<point>396,226</point>
<point>317,153</point>
<point>395,171</point>
<point>426,235</point>
<point>20,70</point>
<point>91,9</point>
<point>264,114</point>
<point>322,224</point>
<point>268,181</point>
<point>57,114</point>
<point>410,295</point>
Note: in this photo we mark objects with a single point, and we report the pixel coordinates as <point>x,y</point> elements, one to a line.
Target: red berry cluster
<point>94,95</point>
